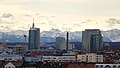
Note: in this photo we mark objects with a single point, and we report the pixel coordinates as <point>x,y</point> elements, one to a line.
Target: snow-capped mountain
<point>49,36</point>
<point>53,33</point>
<point>113,35</point>
<point>18,32</point>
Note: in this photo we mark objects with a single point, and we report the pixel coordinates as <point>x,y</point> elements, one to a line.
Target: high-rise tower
<point>59,42</point>
<point>34,37</point>
<point>92,40</point>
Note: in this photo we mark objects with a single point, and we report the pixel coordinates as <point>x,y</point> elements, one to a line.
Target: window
<point>96,66</point>
<point>119,66</point>
<point>82,57</point>
<point>114,66</point>
<point>5,58</point>
<point>107,66</point>
<point>101,66</point>
<point>90,57</point>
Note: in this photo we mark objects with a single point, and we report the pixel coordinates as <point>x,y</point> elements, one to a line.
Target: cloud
<point>78,25</point>
<point>43,23</point>
<point>66,29</point>
<point>22,28</point>
<point>86,21</point>
<point>27,15</point>
<point>50,21</point>
<point>7,18</point>
<point>96,23</point>
<point>113,21</point>
<point>1,26</point>
<point>52,24</point>
<point>7,15</point>
<point>5,28</point>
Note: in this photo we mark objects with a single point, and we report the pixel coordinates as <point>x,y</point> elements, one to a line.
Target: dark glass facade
<point>92,40</point>
<point>34,38</point>
<point>59,41</point>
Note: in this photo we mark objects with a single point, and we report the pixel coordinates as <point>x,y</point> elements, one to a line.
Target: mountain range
<point>49,36</point>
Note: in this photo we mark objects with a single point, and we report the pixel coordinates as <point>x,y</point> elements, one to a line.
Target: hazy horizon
<point>65,15</point>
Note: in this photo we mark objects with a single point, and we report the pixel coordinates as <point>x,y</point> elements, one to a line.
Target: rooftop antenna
<point>33,23</point>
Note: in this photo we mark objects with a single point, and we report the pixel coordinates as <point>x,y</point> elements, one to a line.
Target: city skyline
<point>65,15</point>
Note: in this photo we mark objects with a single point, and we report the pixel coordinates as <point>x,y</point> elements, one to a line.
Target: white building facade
<point>90,57</point>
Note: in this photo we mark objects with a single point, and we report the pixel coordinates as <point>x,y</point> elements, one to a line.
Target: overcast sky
<point>70,15</point>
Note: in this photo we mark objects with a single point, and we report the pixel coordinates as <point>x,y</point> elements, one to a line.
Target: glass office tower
<point>34,38</point>
<point>92,40</point>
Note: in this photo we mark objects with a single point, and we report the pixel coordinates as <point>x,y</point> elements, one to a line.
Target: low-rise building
<point>18,49</point>
<point>33,59</point>
<point>59,58</point>
<point>10,57</point>
<point>9,65</point>
<point>90,57</point>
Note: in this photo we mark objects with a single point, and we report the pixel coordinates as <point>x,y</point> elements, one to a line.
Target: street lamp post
<point>42,64</point>
<point>25,41</point>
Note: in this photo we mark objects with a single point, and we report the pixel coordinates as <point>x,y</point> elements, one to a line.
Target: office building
<point>60,41</point>
<point>92,40</point>
<point>97,43</point>
<point>63,46</point>
<point>34,38</point>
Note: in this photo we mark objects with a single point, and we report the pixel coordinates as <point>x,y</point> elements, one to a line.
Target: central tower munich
<point>34,38</point>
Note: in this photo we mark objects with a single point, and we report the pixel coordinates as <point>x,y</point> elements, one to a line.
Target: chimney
<point>67,41</point>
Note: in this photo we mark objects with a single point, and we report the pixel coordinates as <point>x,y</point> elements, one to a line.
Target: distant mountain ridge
<point>49,36</point>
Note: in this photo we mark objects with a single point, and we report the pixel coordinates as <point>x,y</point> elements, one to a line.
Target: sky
<point>65,15</point>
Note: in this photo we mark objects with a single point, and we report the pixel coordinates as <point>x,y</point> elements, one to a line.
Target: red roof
<point>116,48</point>
<point>16,63</point>
<point>73,66</point>
<point>112,57</point>
<point>87,65</point>
<point>0,63</point>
